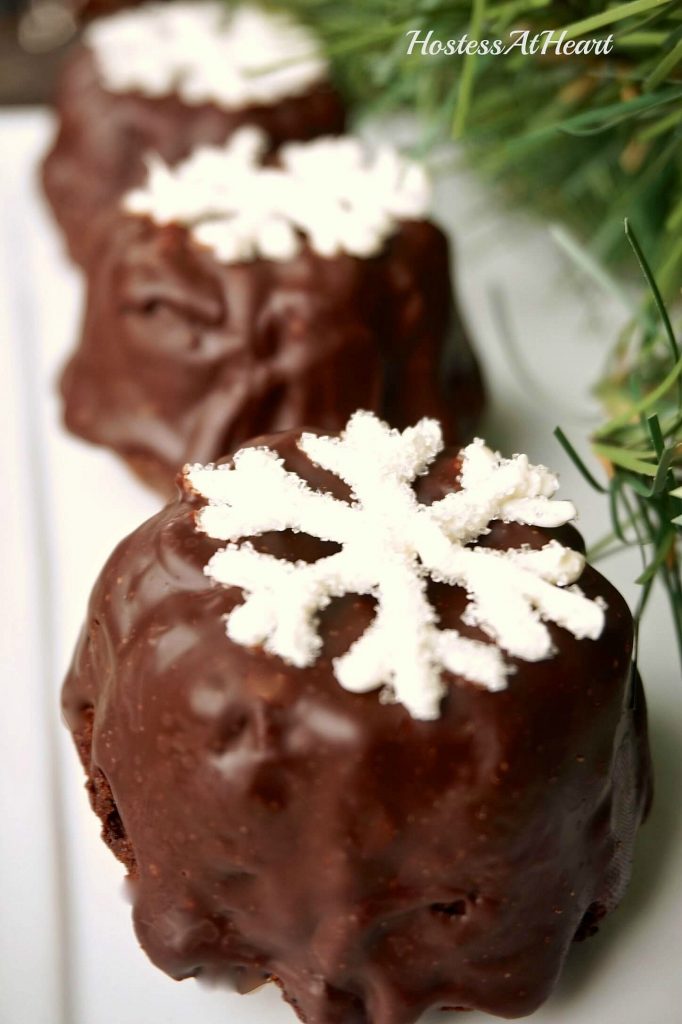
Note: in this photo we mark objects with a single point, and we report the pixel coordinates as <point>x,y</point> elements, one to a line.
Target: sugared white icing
<point>205,53</point>
<point>391,546</point>
<point>332,191</point>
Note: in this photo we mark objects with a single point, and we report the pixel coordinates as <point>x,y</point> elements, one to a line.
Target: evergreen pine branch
<point>588,140</point>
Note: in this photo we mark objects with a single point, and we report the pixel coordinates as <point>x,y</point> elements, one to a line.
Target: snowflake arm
<point>258,496</point>
<point>553,562</point>
<point>400,457</point>
<point>482,663</point>
<point>283,598</point>
<point>511,490</point>
<point>371,663</point>
<point>511,592</point>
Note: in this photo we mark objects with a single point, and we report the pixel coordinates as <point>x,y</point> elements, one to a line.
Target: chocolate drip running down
<point>183,357</point>
<point>103,137</point>
<point>276,826</point>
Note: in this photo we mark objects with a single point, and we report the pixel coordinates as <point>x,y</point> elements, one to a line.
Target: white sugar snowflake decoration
<point>391,546</point>
<point>336,193</point>
<point>206,53</point>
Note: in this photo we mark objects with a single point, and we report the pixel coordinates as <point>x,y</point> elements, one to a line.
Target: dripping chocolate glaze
<point>182,358</point>
<point>98,153</point>
<point>277,826</point>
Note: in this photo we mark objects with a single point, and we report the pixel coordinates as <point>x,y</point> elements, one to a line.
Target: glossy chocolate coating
<point>182,357</point>
<point>277,826</point>
<point>103,136</point>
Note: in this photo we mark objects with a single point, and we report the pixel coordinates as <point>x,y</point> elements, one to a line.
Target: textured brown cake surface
<point>102,138</point>
<point>277,826</point>
<point>182,357</point>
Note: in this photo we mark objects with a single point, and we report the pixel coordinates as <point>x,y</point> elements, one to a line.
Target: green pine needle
<point>613,16</point>
<point>642,448</point>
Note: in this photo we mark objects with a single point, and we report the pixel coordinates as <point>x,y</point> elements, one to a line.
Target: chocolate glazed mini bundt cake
<point>358,718</point>
<point>230,298</point>
<point>165,78</point>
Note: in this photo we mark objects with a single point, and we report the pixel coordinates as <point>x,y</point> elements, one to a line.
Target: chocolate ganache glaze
<point>276,826</point>
<point>183,357</point>
<point>103,138</point>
